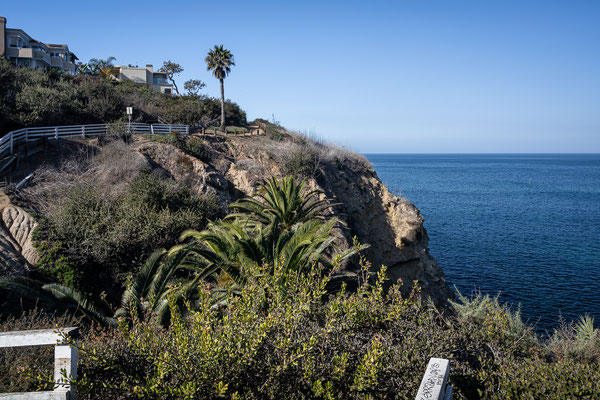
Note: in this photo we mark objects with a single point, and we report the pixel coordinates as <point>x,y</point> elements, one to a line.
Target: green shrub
<point>91,240</point>
<point>279,339</point>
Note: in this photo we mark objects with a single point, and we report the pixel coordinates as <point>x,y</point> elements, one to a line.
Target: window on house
<point>168,91</point>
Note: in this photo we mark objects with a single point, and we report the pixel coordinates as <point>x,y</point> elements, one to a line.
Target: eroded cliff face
<point>391,226</point>
<point>17,253</point>
<point>234,167</point>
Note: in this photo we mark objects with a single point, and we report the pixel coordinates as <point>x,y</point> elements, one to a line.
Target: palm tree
<point>220,61</point>
<point>56,297</point>
<point>101,67</point>
<point>280,228</point>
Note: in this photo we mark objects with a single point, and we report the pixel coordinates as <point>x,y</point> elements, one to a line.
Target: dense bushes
<point>36,98</point>
<point>93,237</point>
<point>100,217</point>
<point>279,339</point>
<point>284,337</point>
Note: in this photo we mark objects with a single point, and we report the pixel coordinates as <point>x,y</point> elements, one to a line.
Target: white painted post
<point>26,135</point>
<point>65,360</point>
<point>83,131</point>
<point>170,128</point>
<point>433,384</point>
<point>56,133</point>
<point>187,130</point>
<point>152,129</point>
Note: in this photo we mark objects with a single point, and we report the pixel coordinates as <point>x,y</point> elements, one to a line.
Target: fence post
<point>56,133</point>
<point>187,130</point>
<point>26,135</point>
<point>170,128</point>
<point>203,130</point>
<point>83,131</point>
<point>152,129</point>
<point>65,358</point>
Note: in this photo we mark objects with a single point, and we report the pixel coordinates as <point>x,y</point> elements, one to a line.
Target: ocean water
<point>526,226</point>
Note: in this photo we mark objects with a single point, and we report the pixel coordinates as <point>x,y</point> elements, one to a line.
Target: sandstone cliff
<point>233,167</point>
<point>392,226</point>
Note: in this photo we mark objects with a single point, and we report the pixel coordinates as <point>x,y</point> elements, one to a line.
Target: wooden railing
<point>434,385</point>
<point>11,140</point>
<point>65,359</point>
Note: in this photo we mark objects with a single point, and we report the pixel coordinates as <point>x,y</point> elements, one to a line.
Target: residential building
<point>155,80</point>
<point>17,46</point>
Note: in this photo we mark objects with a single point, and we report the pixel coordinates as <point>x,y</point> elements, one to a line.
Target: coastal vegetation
<point>181,296</point>
<point>37,98</point>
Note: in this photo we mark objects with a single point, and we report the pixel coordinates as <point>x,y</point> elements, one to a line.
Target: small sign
<point>129,110</point>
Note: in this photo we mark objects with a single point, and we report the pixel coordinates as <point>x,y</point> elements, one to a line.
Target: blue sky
<point>399,76</point>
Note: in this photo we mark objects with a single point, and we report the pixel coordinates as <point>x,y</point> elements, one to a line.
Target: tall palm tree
<point>220,61</point>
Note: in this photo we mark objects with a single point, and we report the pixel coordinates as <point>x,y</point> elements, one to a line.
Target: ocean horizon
<point>525,226</point>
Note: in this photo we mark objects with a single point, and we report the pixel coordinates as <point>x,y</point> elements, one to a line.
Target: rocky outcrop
<point>391,226</point>
<point>16,245</point>
<point>233,167</point>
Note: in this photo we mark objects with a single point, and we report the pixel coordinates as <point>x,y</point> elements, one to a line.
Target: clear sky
<point>375,76</point>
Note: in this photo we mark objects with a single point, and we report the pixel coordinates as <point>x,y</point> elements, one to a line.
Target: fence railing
<point>65,359</point>
<point>11,140</point>
<point>434,385</point>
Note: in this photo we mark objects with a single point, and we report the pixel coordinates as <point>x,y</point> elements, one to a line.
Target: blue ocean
<point>525,226</point>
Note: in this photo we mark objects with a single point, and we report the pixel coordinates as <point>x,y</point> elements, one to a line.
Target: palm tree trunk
<point>222,106</point>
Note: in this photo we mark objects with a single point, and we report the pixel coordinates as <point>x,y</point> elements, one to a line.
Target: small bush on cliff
<point>103,216</point>
<point>97,238</point>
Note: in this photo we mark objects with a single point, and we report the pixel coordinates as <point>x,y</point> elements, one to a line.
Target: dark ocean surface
<point>526,226</point>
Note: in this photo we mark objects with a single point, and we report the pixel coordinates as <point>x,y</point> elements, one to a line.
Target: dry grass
<point>112,170</point>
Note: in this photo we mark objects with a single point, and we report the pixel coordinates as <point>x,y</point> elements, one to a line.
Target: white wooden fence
<point>434,385</point>
<point>65,360</point>
<point>9,141</point>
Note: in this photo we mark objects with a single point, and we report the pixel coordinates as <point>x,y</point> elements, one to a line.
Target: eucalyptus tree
<point>220,60</point>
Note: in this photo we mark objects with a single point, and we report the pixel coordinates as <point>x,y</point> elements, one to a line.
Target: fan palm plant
<point>220,60</point>
<point>101,67</point>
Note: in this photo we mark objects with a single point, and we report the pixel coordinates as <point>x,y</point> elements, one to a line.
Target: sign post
<point>129,112</point>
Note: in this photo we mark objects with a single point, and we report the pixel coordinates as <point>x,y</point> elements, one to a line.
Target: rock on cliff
<point>233,167</point>
<point>16,247</point>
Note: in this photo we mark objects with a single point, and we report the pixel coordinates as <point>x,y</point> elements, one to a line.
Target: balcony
<point>19,52</point>
<point>160,81</point>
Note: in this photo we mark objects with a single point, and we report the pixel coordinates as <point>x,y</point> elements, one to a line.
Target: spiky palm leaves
<point>281,228</point>
<point>56,297</point>
<point>147,296</point>
<point>281,204</point>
